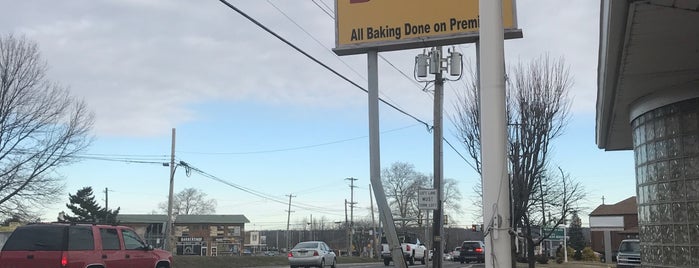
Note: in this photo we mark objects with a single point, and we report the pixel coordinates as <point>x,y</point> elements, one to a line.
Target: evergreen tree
<point>86,209</point>
<point>577,241</point>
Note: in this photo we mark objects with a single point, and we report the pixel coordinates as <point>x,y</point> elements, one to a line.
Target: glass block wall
<point>666,148</point>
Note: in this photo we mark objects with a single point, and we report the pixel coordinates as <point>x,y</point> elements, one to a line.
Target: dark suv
<point>79,246</point>
<point>472,251</point>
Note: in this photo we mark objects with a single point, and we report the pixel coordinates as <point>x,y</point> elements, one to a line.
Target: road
<point>446,264</point>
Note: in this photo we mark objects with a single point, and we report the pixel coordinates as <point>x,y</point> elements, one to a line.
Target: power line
<point>297,147</point>
<point>254,21</point>
<point>189,167</point>
<point>316,60</point>
<point>330,50</point>
<point>324,10</point>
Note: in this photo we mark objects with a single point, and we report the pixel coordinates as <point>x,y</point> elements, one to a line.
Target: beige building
<point>205,235</point>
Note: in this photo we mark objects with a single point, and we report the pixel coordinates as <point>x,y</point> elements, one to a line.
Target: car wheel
<point>161,265</point>
<point>322,263</point>
<point>411,260</point>
<point>333,264</point>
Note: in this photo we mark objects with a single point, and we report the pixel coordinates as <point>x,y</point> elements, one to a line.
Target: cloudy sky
<point>260,117</point>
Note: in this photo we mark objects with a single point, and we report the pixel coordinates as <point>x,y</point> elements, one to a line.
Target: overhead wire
<point>309,56</point>
<point>294,148</point>
<point>327,48</point>
<point>258,193</point>
<point>324,10</point>
<point>265,28</point>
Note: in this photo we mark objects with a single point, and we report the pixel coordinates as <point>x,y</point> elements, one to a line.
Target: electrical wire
<point>294,148</point>
<point>330,50</point>
<point>254,21</point>
<point>258,193</point>
<point>265,28</point>
<point>321,8</point>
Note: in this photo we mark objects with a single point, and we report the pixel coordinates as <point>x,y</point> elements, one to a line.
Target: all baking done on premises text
<point>408,29</point>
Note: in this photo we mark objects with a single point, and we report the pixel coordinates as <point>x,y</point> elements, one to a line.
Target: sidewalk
<point>571,264</point>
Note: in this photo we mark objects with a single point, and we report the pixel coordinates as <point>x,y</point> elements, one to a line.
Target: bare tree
<point>41,128</point>
<point>401,183</point>
<point>537,113</point>
<point>190,201</point>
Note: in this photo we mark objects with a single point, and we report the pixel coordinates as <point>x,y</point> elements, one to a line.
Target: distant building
<point>609,224</point>
<point>205,235</point>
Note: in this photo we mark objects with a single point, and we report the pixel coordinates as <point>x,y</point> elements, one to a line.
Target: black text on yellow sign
<point>407,30</point>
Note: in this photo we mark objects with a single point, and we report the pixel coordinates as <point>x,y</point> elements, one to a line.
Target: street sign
<point>558,233</point>
<point>427,199</point>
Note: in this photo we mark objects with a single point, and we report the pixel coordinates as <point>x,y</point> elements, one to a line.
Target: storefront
<point>199,235</point>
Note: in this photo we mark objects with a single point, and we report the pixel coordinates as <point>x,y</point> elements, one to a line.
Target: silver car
<point>311,253</point>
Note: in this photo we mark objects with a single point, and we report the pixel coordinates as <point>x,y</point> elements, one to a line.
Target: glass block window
<point>666,149</point>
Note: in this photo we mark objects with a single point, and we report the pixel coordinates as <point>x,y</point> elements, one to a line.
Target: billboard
<point>362,25</point>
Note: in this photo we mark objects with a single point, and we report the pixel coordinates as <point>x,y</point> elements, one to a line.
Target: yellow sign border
<point>384,25</point>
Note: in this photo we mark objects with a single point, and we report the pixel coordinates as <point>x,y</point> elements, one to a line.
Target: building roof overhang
<point>648,50</point>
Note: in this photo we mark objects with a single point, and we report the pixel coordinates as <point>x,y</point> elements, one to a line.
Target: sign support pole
<point>375,162</point>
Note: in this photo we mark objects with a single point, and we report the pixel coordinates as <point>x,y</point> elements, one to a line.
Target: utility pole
<point>169,232</point>
<point>349,238</point>
<point>491,61</point>
<point>106,199</point>
<point>351,228</point>
<point>437,217</point>
<point>106,205</point>
<point>310,227</point>
<point>288,220</point>
<point>433,62</point>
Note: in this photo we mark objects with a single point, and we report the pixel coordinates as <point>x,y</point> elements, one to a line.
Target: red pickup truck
<point>79,246</point>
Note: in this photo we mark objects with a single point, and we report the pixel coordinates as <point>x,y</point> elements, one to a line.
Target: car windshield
<point>630,247</point>
<point>306,245</point>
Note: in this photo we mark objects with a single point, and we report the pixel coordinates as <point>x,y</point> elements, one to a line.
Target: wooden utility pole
<point>169,234</point>
<point>288,220</point>
<point>351,204</point>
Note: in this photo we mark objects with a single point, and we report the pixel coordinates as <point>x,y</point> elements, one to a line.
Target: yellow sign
<point>401,24</point>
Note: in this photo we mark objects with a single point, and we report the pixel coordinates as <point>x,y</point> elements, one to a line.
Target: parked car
<point>454,255</point>
<point>312,254</point>
<point>629,254</point>
<point>472,251</point>
<point>79,246</point>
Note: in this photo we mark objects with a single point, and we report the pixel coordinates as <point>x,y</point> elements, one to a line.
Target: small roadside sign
<point>557,234</point>
<point>427,199</point>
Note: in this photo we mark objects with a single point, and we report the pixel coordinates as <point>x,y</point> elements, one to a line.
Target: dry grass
<point>247,261</point>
